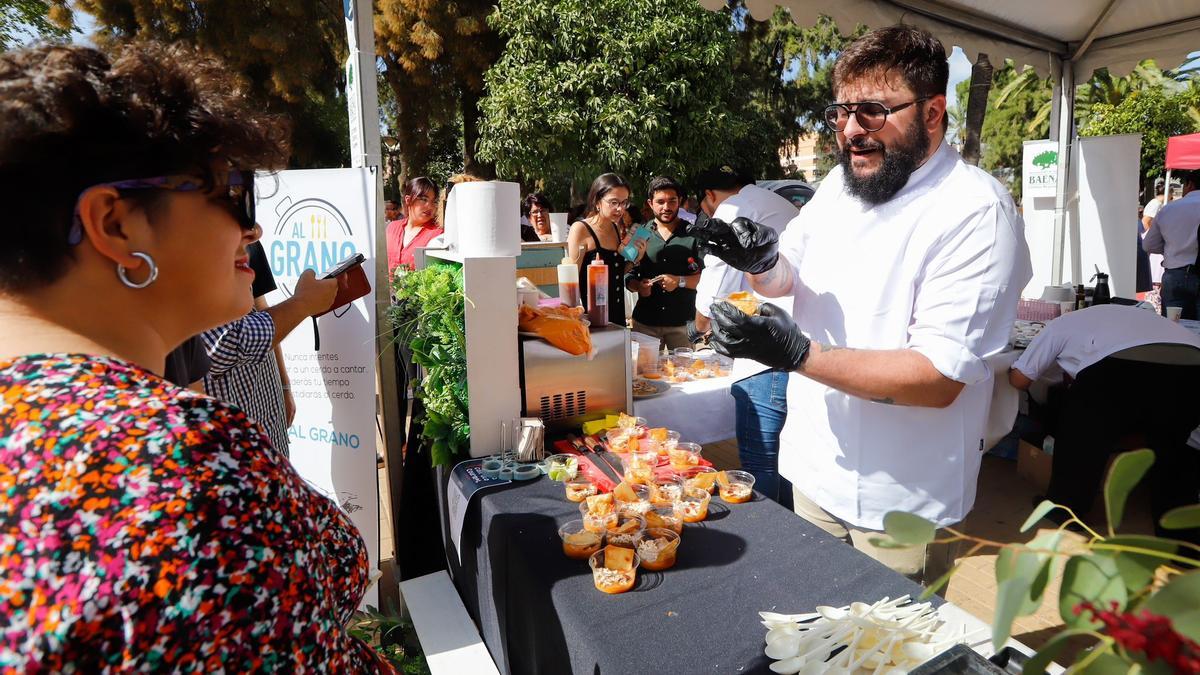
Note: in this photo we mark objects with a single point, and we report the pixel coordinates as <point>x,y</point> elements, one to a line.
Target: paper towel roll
<point>450,237</point>
<point>488,219</point>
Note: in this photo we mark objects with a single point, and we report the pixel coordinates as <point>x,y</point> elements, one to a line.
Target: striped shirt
<point>245,373</point>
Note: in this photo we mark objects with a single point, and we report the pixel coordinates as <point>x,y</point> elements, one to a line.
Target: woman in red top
<point>418,228</point>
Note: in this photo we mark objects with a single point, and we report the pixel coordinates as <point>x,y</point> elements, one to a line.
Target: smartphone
<point>356,259</point>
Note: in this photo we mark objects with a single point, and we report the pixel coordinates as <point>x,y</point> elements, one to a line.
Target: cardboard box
<point>1034,466</point>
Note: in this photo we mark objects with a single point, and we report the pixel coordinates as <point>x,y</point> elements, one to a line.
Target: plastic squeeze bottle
<point>597,278</point>
<point>568,283</point>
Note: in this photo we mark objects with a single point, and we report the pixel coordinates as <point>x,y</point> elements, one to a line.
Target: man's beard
<point>899,161</point>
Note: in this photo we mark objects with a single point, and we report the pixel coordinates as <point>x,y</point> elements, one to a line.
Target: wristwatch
<point>683,282</point>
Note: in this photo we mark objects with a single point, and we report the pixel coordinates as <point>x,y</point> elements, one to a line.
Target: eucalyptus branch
<point>1144,551</point>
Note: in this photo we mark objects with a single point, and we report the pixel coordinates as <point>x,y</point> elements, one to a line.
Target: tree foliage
<point>587,86</point>
<point>1011,120</point>
<point>435,55</point>
<point>784,72</point>
<point>22,21</point>
<point>290,51</point>
<point>1154,114</point>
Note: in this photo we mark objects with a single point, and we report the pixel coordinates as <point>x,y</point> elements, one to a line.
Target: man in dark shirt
<point>666,278</point>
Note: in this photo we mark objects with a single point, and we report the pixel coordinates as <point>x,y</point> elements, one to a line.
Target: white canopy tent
<point>1063,39</point>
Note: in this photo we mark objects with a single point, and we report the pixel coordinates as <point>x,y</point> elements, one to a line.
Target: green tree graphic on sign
<point>1046,160</point>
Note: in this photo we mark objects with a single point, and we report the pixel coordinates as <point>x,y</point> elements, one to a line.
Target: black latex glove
<point>694,335</point>
<point>744,244</point>
<point>769,337</point>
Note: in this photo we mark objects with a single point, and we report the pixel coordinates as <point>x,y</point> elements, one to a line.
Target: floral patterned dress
<point>147,528</point>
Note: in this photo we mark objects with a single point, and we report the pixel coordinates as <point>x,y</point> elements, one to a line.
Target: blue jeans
<point>760,405</point>
<point>1181,288</point>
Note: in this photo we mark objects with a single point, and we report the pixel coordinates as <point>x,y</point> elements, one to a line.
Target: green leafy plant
<point>394,638</point>
<point>1137,596</point>
<point>428,316</point>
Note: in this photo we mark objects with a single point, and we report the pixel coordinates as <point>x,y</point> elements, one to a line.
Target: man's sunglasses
<point>237,189</point>
<point>871,115</point>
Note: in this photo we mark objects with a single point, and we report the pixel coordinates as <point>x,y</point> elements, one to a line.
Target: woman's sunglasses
<point>237,190</point>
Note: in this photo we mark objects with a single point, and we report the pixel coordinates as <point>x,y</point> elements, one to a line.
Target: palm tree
<point>1102,87</point>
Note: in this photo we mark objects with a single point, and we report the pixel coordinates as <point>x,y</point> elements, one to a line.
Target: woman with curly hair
<point>145,527</point>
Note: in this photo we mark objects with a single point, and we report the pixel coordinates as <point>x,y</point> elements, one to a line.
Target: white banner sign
<point>1039,169</point>
<point>354,109</point>
<point>314,219</point>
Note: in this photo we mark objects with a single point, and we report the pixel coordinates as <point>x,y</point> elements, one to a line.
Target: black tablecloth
<point>538,611</point>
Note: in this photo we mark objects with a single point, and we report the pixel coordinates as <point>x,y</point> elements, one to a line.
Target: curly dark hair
<point>914,53</point>
<point>72,117</point>
<point>535,198</point>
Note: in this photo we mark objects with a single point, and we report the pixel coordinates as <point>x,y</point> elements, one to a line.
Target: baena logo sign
<point>310,234</point>
<point>1039,169</point>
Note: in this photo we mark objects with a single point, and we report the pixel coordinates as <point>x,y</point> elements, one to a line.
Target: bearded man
<point>905,270</point>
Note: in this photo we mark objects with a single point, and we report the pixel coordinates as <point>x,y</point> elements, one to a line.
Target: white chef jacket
<point>937,269</point>
<point>1080,339</point>
<point>719,279</point>
<point>1173,231</point>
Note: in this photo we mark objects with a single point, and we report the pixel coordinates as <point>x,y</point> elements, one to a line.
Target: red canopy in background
<point>1183,152</point>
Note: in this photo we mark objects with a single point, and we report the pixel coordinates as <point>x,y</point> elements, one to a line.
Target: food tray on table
<point>643,388</point>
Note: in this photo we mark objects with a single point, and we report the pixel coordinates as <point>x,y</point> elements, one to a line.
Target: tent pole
<point>1065,129</point>
<point>1167,188</point>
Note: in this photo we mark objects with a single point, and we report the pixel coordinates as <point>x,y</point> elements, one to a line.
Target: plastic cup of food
<point>624,531</point>
<point>656,549</point>
<point>651,446</point>
<point>630,422</point>
<point>641,493</point>
<point>638,509</point>
<point>578,542</point>
<point>692,506</point>
<point>618,438</point>
<point>684,456</point>
<point>639,475</point>
<point>667,489</point>
<point>596,522</point>
<point>639,468</point>
<point>743,300</point>
<point>622,574</point>
<point>562,467</point>
<point>724,365</point>
<point>740,487</point>
<point>1174,313</point>
<point>663,517</point>
<point>665,438</point>
<point>682,357</point>
<point>579,488</point>
<point>699,477</point>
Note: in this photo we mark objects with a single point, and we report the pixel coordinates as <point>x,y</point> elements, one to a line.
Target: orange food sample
<point>744,301</point>
<point>581,545</point>
<point>577,492</point>
<point>736,494</point>
<point>560,326</point>
<point>704,480</point>
<point>658,434</point>
<point>658,554</point>
<point>625,493</point>
<point>617,558</point>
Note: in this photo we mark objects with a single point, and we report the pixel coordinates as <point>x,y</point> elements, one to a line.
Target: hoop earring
<point>122,273</point>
